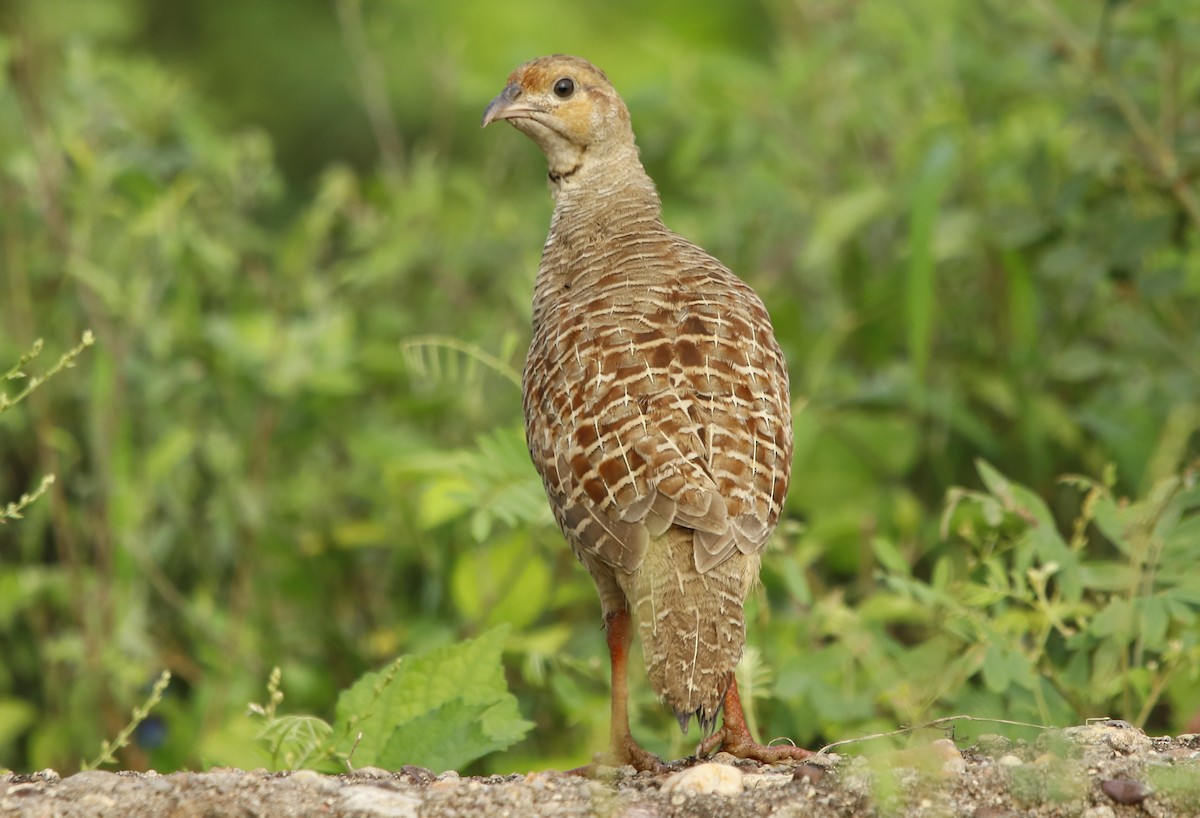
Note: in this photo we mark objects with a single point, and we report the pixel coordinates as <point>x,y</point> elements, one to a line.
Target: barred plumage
<point>655,396</point>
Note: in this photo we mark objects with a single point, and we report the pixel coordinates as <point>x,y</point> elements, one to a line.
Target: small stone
<point>1009,760</point>
<point>1119,736</point>
<point>418,775</point>
<point>993,744</point>
<point>312,780</point>
<point>1125,790</point>
<point>379,802</point>
<point>810,773</point>
<point>544,779</point>
<point>953,762</point>
<point>370,772</point>
<point>720,779</point>
<point>1099,811</point>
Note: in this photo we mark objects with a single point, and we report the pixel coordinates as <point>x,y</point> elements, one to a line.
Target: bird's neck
<point>601,216</point>
<point>606,188</point>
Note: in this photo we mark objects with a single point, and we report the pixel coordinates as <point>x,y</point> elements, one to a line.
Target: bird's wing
<point>659,411</point>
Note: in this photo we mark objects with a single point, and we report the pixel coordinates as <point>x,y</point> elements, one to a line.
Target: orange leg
<point>622,748</point>
<point>619,629</point>
<point>734,736</point>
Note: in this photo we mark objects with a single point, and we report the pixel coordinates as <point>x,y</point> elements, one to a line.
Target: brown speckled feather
<point>656,402</point>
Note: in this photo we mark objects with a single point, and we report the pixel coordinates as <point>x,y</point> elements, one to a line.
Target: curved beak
<point>508,105</point>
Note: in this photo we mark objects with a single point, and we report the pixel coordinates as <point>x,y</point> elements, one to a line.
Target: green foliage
<point>17,372</point>
<point>1020,620</point>
<point>293,742</point>
<point>139,715</point>
<point>13,510</point>
<point>1105,618</point>
<point>297,441</point>
<point>442,710</point>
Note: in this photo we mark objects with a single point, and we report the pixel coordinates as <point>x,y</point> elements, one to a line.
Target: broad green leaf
<point>453,735</point>
<point>458,680</point>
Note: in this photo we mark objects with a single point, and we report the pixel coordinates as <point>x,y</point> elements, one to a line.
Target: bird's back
<point>657,412</point>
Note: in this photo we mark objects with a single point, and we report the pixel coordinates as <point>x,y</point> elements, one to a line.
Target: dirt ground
<point>1102,770</point>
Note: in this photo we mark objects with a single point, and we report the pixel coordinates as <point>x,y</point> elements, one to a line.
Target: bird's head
<point>568,107</point>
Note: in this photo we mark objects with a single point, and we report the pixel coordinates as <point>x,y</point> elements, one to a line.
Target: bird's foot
<point>740,744</point>
<point>626,752</point>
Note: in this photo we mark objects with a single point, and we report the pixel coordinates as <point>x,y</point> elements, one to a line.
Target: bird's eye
<point>564,87</point>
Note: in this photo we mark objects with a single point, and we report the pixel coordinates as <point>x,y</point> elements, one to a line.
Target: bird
<point>657,411</point>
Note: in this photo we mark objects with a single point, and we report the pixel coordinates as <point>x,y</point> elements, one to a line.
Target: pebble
<point>369,772</point>
<point>380,802</point>
<point>1125,790</point>
<point>810,773</point>
<point>313,780</point>
<point>1117,735</point>
<point>1009,760</point>
<point>720,779</point>
<point>418,775</point>
<point>993,744</point>
<point>953,762</point>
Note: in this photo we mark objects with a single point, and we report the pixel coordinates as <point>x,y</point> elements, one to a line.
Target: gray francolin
<point>656,409</point>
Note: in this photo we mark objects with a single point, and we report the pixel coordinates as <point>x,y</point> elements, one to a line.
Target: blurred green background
<point>297,441</point>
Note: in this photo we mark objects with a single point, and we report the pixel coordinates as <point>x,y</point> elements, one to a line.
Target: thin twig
<point>109,748</point>
<point>928,725</point>
<point>65,362</point>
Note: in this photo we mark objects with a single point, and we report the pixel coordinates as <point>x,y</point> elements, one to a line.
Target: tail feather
<point>692,624</point>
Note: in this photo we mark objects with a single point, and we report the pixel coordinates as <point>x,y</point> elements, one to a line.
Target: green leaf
<point>448,707</point>
<point>890,557</point>
<point>1018,499</point>
<point>453,735</point>
<point>920,289</point>
<point>1108,575</point>
<point>295,740</point>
